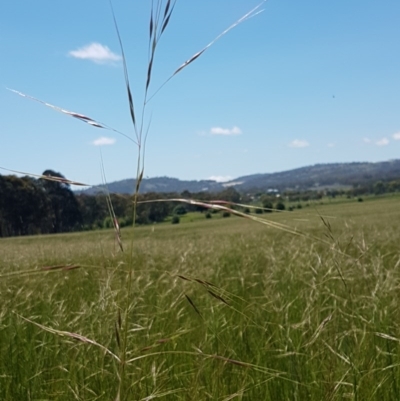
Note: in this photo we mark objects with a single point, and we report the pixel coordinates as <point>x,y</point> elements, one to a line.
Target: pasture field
<point>219,309</point>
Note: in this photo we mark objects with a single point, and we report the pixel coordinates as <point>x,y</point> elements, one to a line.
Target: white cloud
<point>297,143</point>
<point>225,131</point>
<point>103,141</point>
<point>331,145</point>
<point>95,52</point>
<point>382,142</point>
<point>367,140</point>
<point>220,178</point>
<point>396,136</point>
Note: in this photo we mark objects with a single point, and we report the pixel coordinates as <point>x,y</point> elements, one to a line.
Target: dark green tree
<point>24,207</point>
<point>267,204</point>
<point>152,212</point>
<point>230,195</point>
<point>280,206</point>
<point>65,212</point>
<point>180,210</point>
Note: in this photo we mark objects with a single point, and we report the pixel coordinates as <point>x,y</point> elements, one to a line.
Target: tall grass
<point>219,309</point>
<point>121,294</point>
<point>215,310</point>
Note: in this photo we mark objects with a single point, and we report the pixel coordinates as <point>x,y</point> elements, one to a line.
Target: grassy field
<point>219,309</point>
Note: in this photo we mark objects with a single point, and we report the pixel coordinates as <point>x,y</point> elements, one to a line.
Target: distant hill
<point>323,176</point>
<point>318,176</point>
<point>158,184</point>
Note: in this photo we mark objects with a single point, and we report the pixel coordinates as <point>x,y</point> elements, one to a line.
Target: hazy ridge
<point>309,177</point>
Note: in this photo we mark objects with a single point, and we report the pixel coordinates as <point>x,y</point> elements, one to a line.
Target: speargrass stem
<point>160,17</point>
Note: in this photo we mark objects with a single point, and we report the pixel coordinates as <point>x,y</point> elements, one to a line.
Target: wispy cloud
<point>95,52</point>
<point>220,178</point>
<point>298,143</point>
<point>382,142</point>
<point>366,140</point>
<point>225,131</point>
<point>396,136</point>
<point>331,145</point>
<point>103,141</point>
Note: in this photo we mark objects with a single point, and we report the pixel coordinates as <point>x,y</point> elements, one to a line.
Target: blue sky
<point>304,82</point>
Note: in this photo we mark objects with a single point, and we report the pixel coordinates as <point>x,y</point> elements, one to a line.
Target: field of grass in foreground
<point>221,309</point>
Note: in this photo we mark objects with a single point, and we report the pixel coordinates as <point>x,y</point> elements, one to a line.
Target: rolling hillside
<point>310,177</point>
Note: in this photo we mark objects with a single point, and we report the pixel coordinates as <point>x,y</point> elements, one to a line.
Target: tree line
<point>37,206</point>
<point>30,206</point>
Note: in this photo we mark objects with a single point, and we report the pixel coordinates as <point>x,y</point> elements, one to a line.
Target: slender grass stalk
<point>159,21</point>
<point>160,17</point>
<point>75,336</point>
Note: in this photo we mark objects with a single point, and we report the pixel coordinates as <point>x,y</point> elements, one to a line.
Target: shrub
<point>175,219</point>
<point>360,199</point>
<point>208,215</point>
<point>258,211</point>
<point>226,214</point>
<point>268,206</point>
<point>107,222</point>
<point>280,206</point>
<point>180,210</point>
